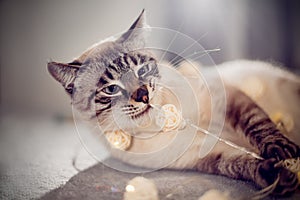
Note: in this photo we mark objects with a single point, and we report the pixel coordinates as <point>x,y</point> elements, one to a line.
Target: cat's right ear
<point>136,35</point>
<point>64,74</point>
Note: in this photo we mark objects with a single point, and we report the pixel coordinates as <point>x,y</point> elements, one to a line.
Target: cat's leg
<point>245,116</point>
<point>246,167</point>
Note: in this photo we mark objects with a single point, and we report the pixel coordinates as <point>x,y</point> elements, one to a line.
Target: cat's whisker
<point>198,55</point>
<point>128,106</point>
<point>111,125</point>
<point>104,121</point>
<point>156,107</point>
<point>206,52</point>
<point>187,48</point>
<point>162,91</point>
<point>131,112</point>
<point>129,109</point>
<point>139,112</point>
<point>170,44</point>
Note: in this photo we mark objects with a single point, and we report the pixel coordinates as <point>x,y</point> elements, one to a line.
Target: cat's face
<point>114,81</point>
<point>125,90</point>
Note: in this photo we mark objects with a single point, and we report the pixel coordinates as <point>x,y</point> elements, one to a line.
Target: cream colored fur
<point>280,94</point>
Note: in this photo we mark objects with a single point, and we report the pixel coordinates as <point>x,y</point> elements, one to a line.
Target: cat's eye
<point>144,70</point>
<point>111,89</point>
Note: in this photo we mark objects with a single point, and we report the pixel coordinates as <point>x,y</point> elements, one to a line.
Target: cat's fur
<point>88,81</point>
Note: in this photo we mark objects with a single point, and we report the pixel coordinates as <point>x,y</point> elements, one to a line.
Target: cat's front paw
<point>268,173</point>
<point>279,148</point>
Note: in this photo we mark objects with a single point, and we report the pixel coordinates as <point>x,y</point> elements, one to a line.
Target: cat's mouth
<point>136,112</point>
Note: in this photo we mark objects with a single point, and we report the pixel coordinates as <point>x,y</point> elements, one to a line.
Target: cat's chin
<point>142,113</point>
<point>141,123</point>
<point>146,124</point>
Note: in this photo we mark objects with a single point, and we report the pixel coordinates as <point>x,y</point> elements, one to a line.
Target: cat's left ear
<point>64,73</point>
<point>136,35</point>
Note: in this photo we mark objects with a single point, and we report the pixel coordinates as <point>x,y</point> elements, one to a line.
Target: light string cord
<point>198,128</point>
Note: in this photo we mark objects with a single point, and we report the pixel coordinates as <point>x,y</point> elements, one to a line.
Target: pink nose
<point>141,95</point>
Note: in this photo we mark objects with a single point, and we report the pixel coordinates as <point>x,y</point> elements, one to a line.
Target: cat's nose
<point>141,95</point>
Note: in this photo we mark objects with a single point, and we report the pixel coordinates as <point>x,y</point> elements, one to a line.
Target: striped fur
<point>124,70</point>
<point>247,118</point>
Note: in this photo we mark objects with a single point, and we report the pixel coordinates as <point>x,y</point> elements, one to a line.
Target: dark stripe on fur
<point>143,59</point>
<point>109,74</point>
<point>133,59</point>
<point>114,67</point>
<point>125,58</point>
<point>103,81</point>
<point>98,112</point>
<point>239,167</point>
<point>103,100</point>
<point>245,167</point>
<point>243,114</point>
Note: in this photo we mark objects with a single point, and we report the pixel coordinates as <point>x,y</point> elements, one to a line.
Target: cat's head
<point>114,80</point>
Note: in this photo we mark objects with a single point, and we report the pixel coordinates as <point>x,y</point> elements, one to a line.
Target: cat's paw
<point>268,173</point>
<point>280,148</point>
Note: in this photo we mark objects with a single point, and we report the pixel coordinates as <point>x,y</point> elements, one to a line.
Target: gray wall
<point>33,31</point>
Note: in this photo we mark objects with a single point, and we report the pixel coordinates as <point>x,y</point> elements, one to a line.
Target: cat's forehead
<point>115,55</point>
<point>102,53</point>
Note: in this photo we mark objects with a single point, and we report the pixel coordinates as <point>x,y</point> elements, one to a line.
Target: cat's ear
<point>64,73</point>
<point>136,34</point>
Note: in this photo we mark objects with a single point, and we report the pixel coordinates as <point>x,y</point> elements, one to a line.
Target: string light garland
<point>171,118</point>
<point>284,121</point>
<point>118,139</point>
<point>141,188</point>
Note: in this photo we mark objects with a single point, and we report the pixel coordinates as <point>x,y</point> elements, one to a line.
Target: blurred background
<point>34,31</point>
<point>34,157</point>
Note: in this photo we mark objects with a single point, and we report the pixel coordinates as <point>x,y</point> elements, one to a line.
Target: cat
<point>120,77</point>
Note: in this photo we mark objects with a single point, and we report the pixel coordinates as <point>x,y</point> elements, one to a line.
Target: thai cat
<point>120,77</point>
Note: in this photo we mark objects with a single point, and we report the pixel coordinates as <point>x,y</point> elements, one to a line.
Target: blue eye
<point>111,89</point>
<point>143,70</point>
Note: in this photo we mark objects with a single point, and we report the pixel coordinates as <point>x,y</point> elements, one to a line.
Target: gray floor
<point>36,158</point>
<point>101,182</point>
<point>36,155</point>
